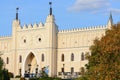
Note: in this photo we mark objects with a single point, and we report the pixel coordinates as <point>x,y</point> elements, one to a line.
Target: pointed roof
<point>50,3</point>
<point>17,13</point>
<point>110,18</point>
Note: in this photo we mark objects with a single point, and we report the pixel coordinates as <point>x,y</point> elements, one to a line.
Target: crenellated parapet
<point>5,37</point>
<point>84,29</point>
<point>31,27</point>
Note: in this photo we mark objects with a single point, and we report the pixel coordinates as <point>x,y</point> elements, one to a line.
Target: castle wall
<point>31,41</point>
<point>6,51</point>
<point>76,41</point>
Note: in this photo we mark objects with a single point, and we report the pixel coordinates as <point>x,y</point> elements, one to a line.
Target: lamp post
<point>29,68</point>
<point>63,70</point>
<point>20,72</point>
<point>36,70</point>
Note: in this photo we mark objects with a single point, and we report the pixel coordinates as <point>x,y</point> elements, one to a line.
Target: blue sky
<point>68,13</point>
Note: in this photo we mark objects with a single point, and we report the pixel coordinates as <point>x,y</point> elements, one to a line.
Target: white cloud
<point>89,5</point>
<point>114,10</point>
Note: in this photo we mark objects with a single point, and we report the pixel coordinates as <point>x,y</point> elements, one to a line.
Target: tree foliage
<point>3,72</point>
<point>104,62</point>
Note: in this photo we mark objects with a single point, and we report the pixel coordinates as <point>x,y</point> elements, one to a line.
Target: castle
<point>31,48</point>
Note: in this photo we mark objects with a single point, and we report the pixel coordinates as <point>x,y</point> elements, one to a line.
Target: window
<point>72,57</point>
<point>62,70</point>
<point>62,57</point>
<point>39,39</point>
<point>42,57</point>
<point>72,70</point>
<point>20,59</point>
<point>82,56</point>
<point>24,40</point>
<point>7,61</point>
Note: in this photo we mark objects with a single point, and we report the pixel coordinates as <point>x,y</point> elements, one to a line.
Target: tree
<point>104,62</point>
<point>1,67</point>
<point>3,72</point>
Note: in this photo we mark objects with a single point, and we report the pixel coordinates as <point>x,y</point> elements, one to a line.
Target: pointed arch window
<point>20,59</point>
<point>72,57</point>
<point>62,57</point>
<point>43,57</point>
<point>7,61</point>
<point>82,56</point>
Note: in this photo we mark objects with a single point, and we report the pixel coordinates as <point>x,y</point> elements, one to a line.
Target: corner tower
<point>15,26</point>
<point>52,31</point>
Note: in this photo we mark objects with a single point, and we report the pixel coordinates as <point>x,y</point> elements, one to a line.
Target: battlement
<point>84,29</point>
<point>5,37</point>
<point>49,19</point>
<point>31,27</point>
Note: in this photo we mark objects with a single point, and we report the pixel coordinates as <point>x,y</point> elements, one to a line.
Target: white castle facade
<point>31,48</point>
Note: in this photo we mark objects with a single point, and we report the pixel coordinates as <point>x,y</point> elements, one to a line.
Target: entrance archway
<point>30,63</point>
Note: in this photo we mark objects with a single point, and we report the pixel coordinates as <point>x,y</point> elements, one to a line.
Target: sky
<point>68,14</point>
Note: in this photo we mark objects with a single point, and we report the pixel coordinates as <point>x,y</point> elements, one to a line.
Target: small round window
<point>39,39</point>
<point>24,40</point>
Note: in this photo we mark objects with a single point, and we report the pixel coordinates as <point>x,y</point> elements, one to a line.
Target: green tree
<point>3,72</point>
<point>104,62</point>
<point>1,69</point>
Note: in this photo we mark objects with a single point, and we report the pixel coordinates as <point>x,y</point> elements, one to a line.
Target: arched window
<point>24,40</point>
<point>7,61</point>
<point>72,57</point>
<point>82,56</point>
<point>72,70</point>
<point>62,57</point>
<point>20,59</point>
<point>42,57</point>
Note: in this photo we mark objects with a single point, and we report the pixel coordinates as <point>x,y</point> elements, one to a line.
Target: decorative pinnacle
<point>50,3</point>
<point>17,9</point>
<point>110,18</point>
<point>17,13</point>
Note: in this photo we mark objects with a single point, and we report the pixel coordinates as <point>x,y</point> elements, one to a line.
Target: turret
<point>15,26</point>
<point>52,31</point>
<point>110,21</point>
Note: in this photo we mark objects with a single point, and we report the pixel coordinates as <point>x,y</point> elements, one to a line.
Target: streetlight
<point>63,70</point>
<point>36,70</point>
<point>29,68</point>
<point>20,72</point>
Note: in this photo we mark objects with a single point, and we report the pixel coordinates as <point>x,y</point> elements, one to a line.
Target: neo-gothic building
<point>43,45</point>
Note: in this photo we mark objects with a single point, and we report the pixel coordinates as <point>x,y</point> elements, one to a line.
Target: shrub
<point>10,74</point>
<point>49,78</point>
<point>82,78</point>
<point>33,79</point>
<point>17,76</point>
<point>22,78</point>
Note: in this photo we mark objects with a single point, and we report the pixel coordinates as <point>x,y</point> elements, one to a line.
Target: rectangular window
<point>72,70</point>
<point>62,70</point>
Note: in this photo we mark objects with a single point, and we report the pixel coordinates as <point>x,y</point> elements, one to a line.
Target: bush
<point>17,76</point>
<point>22,78</point>
<point>82,78</point>
<point>33,79</point>
<point>49,78</point>
<point>10,74</point>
